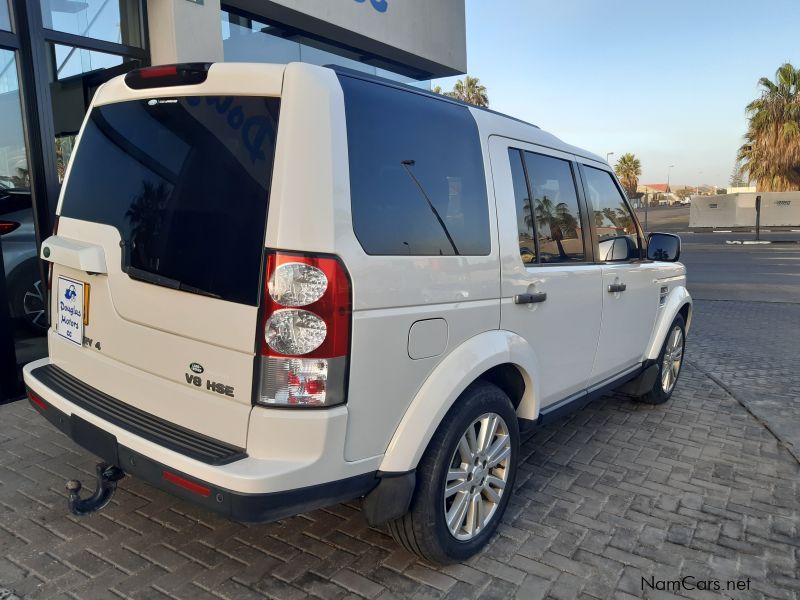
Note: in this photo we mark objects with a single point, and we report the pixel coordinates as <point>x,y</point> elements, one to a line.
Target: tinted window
<point>525,212</point>
<point>613,221</point>
<point>556,216</point>
<point>185,182</point>
<point>417,183</point>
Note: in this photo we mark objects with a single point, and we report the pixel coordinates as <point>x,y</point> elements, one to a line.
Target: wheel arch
<point>499,357</point>
<point>679,301</point>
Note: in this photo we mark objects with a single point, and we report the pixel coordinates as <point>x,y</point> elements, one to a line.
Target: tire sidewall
<point>483,399</point>
<point>658,391</point>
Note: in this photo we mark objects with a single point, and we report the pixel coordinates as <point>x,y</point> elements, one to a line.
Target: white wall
<point>739,210</point>
<point>183,31</point>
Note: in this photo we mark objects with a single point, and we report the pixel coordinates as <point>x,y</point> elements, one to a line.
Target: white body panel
<point>423,327</point>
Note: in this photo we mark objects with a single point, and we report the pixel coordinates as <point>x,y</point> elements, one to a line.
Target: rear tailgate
<point>160,247</point>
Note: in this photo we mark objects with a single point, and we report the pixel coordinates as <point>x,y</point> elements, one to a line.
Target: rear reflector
<point>193,487</point>
<point>37,401</point>
<point>167,75</point>
<point>7,226</point>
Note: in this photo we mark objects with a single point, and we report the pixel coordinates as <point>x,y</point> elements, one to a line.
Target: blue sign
<point>380,5</point>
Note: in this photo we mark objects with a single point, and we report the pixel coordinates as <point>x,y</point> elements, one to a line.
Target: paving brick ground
<point>752,349</point>
<point>610,495</point>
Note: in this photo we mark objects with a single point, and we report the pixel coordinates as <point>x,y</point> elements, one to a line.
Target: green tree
<point>770,154</point>
<point>628,169</point>
<point>471,91</point>
<point>737,179</point>
<point>437,89</point>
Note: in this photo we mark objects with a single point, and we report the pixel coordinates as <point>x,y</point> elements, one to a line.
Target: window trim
<point>588,246</point>
<point>582,166</point>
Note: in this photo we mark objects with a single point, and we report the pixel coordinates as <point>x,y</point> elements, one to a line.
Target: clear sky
<point>665,79</point>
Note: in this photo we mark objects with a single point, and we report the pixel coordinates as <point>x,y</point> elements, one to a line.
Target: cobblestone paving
<point>612,494</point>
<point>752,349</point>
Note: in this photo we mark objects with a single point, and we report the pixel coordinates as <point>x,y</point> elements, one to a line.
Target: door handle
<point>530,298</point>
<point>617,287</point>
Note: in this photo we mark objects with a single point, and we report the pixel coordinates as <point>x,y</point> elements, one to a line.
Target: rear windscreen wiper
<point>168,282</point>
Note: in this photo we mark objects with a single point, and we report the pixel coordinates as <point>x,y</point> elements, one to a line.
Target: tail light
<point>167,75</point>
<point>305,333</point>
<point>8,227</point>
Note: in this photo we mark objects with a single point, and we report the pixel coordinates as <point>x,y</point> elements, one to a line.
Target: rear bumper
<point>245,488</point>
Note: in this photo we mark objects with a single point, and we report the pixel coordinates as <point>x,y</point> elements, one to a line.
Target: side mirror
<point>664,247</point>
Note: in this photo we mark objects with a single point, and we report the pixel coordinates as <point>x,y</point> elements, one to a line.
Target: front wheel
<point>670,361</point>
<point>464,480</point>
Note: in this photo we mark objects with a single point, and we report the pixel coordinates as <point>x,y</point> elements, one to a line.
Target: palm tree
<point>770,154</point>
<point>628,169</point>
<point>471,91</point>
<point>558,219</point>
<point>437,89</point>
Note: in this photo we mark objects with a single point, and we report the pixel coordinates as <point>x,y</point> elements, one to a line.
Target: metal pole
<point>758,218</point>
<point>646,206</point>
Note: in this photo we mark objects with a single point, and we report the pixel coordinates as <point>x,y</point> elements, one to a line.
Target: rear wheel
<point>670,361</point>
<point>464,480</point>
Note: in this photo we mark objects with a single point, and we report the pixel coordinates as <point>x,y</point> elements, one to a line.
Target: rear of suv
<point>275,288</point>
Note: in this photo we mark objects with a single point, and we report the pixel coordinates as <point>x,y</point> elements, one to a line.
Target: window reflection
<point>13,158</point>
<point>247,40</point>
<point>556,216</point>
<point>527,242</point>
<point>5,18</point>
<point>116,21</point>
<point>613,220</point>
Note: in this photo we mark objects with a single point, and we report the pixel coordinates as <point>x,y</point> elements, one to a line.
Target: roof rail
<point>423,92</point>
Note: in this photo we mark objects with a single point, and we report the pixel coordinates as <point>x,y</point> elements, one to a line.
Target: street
<point>618,494</point>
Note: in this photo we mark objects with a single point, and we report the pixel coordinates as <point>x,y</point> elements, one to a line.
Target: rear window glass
<point>417,182</point>
<point>185,181</point>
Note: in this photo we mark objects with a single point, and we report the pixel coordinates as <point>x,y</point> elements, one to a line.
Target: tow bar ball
<point>107,478</point>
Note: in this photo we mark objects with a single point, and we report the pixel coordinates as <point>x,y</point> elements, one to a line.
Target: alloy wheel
<point>34,306</point>
<point>673,357</point>
<point>477,476</point>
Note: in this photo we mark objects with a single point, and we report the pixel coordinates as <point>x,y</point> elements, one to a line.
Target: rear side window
<point>613,221</point>
<point>185,181</point>
<point>524,205</point>
<point>556,213</point>
<point>417,181</point>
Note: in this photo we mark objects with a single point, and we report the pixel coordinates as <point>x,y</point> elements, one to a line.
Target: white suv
<point>275,288</point>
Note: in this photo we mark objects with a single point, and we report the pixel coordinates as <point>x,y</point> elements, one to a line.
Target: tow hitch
<point>107,478</point>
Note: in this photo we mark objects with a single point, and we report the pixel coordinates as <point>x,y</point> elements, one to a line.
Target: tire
<point>28,297</point>
<point>424,529</point>
<point>664,385</point>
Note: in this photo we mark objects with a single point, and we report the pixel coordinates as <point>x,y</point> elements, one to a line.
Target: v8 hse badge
<point>210,385</point>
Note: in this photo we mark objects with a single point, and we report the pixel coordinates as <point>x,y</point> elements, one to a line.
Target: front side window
<point>185,181</point>
<point>417,181</point>
<point>613,221</point>
<point>556,213</point>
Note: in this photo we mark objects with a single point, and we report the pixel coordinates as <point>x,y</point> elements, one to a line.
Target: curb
<point>760,242</point>
<point>788,446</point>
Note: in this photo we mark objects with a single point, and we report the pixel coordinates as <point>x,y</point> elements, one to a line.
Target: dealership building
<point>54,54</point>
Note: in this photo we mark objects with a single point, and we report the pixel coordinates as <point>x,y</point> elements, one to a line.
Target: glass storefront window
<point>78,74</point>
<point>5,18</point>
<point>246,40</point>
<point>116,21</point>
<point>13,157</point>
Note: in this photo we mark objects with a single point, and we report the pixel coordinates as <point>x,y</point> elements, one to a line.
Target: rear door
<point>171,192</point>
<point>550,288</point>
<point>630,291</point>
